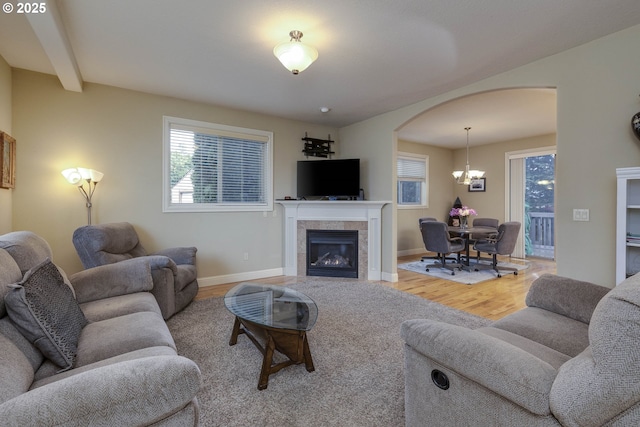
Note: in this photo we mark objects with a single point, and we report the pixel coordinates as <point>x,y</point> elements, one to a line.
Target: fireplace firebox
<point>332,253</point>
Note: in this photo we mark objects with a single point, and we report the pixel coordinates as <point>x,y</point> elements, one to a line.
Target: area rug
<point>464,276</point>
<point>356,349</point>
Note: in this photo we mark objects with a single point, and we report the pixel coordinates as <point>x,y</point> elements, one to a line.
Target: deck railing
<point>542,230</point>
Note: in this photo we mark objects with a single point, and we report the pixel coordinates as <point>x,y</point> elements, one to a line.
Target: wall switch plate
<point>581,214</point>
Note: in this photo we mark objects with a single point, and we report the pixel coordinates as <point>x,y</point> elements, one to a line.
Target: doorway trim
<point>514,209</point>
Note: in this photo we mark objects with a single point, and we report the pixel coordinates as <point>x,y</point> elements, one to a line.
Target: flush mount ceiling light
<point>295,55</point>
<point>466,176</point>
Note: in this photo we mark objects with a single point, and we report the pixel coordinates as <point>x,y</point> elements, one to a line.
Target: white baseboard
<point>390,277</point>
<point>239,277</point>
<point>412,252</point>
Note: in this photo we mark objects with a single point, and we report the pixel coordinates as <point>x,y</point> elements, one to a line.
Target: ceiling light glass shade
<point>467,175</point>
<point>295,55</point>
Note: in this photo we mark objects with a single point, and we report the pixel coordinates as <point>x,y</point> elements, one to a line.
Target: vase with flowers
<point>463,213</point>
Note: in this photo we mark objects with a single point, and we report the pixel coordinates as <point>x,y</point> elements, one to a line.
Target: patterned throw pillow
<point>43,309</point>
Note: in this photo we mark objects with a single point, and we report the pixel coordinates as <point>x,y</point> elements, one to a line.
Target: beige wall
<point>440,193</point>
<point>119,132</point>
<point>596,100</point>
<point>5,126</point>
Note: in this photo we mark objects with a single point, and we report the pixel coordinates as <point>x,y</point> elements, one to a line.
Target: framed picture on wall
<point>8,161</point>
<point>479,184</point>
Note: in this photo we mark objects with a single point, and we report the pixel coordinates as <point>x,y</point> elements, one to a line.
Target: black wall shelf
<point>317,147</point>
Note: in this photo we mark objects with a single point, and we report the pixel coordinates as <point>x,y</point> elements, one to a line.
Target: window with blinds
<point>211,167</point>
<point>412,180</point>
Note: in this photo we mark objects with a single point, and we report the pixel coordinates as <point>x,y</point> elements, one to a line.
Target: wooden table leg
<point>308,361</point>
<point>236,330</point>
<point>266,364</point>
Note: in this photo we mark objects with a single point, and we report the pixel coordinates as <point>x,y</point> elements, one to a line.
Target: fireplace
<point>332,253</point>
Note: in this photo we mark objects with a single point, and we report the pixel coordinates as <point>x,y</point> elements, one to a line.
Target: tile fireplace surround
<point>364,216</point>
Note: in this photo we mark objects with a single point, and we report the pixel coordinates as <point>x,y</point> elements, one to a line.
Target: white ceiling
<point>374,55</point>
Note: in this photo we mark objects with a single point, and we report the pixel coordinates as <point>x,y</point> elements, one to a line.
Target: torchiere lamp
<point>80,176</point>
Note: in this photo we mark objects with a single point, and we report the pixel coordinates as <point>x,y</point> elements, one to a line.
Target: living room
<point>119,131</point>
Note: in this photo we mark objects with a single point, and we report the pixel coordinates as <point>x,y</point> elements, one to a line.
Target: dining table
<point>466,233</point>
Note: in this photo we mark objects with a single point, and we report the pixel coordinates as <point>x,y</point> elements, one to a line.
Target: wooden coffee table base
<point>292,344</point>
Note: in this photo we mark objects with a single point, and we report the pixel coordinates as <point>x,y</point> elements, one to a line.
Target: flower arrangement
<point>463,211</point>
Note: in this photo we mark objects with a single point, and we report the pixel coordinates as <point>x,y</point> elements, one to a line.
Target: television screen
<point>328,178</point>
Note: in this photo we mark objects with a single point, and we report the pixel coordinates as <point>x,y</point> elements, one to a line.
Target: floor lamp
<point>81,176</point>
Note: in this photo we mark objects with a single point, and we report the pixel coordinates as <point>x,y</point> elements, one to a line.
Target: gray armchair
<point>435,235</point>
<point>174,272</point>
<point>570,358</point>
<point>503,243</point>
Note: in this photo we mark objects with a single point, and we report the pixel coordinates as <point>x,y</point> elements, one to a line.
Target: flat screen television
<point>319,179</point>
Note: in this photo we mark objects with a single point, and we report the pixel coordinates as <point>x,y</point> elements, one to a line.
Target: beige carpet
<point>355,345</point>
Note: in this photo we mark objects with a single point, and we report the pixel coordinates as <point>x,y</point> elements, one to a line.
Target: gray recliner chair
<point>174,272</point>
<point>570,358</point>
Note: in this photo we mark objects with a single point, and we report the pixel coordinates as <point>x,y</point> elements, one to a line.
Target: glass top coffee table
<point>273,318</point>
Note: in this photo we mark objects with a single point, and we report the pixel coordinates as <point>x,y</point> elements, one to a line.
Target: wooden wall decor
<point>8,161</point>
<point>317,147</point>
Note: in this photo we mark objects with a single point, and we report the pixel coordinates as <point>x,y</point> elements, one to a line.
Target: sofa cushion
<point>16,374</point>
<point>120,305</point>
<point>27,248</point>
<point>563,334</point>
<point>112,337</point>
<point>43,308</point>
<point>9,274</point>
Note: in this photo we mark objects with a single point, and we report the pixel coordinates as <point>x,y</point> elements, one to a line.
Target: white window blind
<point>412,180</point>
<point>210,167</point>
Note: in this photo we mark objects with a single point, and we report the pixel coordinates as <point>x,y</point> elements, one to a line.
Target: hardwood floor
<point>492,299</point>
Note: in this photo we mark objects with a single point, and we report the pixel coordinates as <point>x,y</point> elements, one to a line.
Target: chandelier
<point>295,55</point>
<point>467,175</point>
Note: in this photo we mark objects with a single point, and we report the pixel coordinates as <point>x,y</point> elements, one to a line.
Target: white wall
<point>119,132</point>
<point>597,86</point>
<point>5,126</point>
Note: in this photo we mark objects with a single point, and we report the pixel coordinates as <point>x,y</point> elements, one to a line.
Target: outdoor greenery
<point>539,191</point>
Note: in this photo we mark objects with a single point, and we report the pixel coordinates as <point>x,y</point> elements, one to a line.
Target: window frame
<point>424,197</point>
<point>261,135</point>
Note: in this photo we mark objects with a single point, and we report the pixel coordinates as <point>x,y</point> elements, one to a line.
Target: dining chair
<point>435,235</point>
<point>503,243</point>
<point>483,222</point>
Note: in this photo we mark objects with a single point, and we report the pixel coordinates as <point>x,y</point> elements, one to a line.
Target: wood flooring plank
<point>492,299</point>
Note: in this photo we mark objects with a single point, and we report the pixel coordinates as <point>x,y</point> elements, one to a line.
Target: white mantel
<point>339,210</point>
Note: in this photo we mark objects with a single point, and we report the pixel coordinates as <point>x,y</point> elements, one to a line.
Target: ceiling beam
<point>52,35</point>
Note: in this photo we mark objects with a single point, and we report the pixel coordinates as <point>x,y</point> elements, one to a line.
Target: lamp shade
<point>72,176</point>
<point>295,55</point>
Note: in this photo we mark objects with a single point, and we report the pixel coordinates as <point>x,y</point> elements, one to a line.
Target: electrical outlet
<point>581,214</point>
<point>246,256</point>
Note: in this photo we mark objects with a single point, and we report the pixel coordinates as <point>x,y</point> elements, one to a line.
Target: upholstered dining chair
<point>503,243</point>
<point>173,270</point>
<point>483,222</point>
<point>435,235</point>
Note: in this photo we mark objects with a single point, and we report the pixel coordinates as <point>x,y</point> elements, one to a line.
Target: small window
<point>412,180</point>
<point>211,168</point>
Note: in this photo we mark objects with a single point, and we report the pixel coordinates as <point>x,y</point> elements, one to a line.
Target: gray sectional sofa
<point>571,358</point>
<point>100,352</point>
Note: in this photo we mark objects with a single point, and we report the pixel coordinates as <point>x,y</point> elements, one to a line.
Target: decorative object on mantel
<point>8,161</point>
<point>465,177</point>
<point>463,213</point>
<point>80,176</point>
<point>317,147</point>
